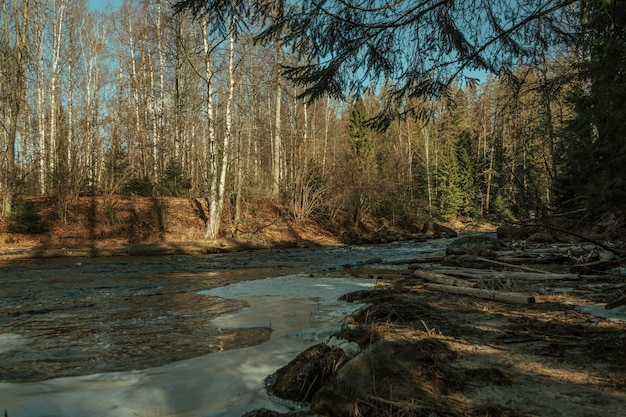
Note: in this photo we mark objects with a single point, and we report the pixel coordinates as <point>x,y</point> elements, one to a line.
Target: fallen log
<point>499,262</point>
<point>601,265</point>
<point>534,259</point>
<point>501,296</point>
<point>616,251</point>
<point>506,265</point>
<point>442,278</point>
<point>521,275</point>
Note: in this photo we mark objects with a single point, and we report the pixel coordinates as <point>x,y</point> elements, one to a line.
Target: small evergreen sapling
<point>25,218</point>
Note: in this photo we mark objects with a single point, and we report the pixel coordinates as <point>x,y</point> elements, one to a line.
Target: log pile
<point>471,266</point>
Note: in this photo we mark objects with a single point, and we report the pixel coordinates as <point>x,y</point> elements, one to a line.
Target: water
<point>180,335</point>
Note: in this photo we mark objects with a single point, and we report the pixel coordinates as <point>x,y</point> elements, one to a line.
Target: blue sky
<point>103,5</point>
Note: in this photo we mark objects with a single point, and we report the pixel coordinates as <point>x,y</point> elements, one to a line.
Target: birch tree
<point>59,8</point>
<point>215,215</point>
<point>277,142</point>
<point>14,58</point>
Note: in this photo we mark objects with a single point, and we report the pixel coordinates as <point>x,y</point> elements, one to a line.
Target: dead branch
<point>442,278</point>
<point>507,265</point>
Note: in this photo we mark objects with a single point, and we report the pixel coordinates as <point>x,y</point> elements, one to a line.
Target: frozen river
<point>169,336</point>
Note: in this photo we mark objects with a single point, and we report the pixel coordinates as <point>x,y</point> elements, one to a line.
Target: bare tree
<point>13,85</point>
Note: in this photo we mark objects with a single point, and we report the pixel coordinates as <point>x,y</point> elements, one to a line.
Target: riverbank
<point>425,351</point>
<point>142,226</point>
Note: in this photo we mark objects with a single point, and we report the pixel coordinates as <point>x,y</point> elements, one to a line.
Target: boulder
<point>416,372</point>
<point>473,244</point>
<point>510,232</point>
<point>435,230</point>
<point>300,379</point>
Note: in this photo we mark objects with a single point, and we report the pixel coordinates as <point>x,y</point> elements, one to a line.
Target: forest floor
<point>562,355</point>
<point>425,352</point>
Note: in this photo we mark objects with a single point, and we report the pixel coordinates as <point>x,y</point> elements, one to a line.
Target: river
<point>170,336</point>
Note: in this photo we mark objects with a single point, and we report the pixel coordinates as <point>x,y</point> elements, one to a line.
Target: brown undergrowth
<point>98,226</point>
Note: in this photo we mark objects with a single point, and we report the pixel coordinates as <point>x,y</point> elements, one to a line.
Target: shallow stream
<point>169,336</point>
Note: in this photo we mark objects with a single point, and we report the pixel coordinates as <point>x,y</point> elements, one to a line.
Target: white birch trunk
<point>41,114</point>
<point>70,107</point>
<point>135,81</point>
<point>214,224</point>
<point>276,144</point>
<point>151,114</point>
<point>54,81</point>
<point>212,228</point>
<point>161,110</point>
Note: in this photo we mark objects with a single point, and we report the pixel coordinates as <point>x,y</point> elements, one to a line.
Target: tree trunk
<point>440,278</point>
<point>505,297</point>
<point>489,177</point>
<point>216,205</point>
<point>54,81</point>
<point>212,224</point>
<point>276,144</point>
<point>427,165</point>
<point>14,67</point>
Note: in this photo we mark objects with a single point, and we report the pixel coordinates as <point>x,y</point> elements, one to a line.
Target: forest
<point>233,101</point>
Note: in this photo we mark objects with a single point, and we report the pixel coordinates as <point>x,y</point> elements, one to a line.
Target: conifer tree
<point>358,133</point>
<point>467,173</point>
<point>362,161</point>
<point>449,183</point>
<point>595,157</point>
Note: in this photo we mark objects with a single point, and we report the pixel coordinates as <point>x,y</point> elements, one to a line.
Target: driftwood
<point>611,249</point>
<point>442,278</point>
<point>498,263</point>
<point>484,273</point>
<point>505,297</point>
<point>601,265</point>
<point>507,265</point>
<point>619,302</point>
<point>534,259</point>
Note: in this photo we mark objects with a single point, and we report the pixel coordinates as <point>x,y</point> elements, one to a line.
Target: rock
<point>300,379</point>
<point>404,371</point>
<point>435,230</point>
<point>509,232</point>
<point>473,245</point>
